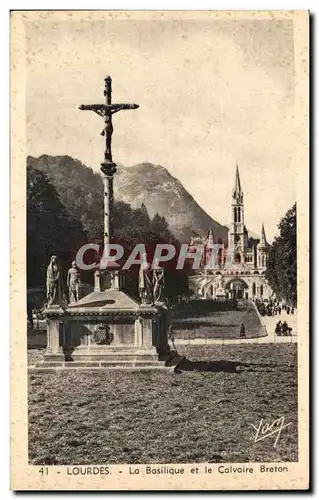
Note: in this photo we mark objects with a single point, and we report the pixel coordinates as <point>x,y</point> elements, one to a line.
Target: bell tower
<point>262,249</point>
<point>236,240</point>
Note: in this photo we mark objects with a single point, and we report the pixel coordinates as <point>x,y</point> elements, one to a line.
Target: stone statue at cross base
<point>158,283</point>
<point>145,282</point>
<point>73,283</point>
<point>54,283</point>
<point>221,284</point>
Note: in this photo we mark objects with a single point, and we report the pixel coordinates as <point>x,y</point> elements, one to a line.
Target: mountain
<point>80,189</point>
<point>144,183</point>
<point>162,193</point>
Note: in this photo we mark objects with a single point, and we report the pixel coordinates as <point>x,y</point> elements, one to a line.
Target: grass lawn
<point>219,324</point>
<point>202,414</point>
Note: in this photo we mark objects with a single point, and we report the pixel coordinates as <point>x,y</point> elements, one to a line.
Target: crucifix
<point>108,167</point>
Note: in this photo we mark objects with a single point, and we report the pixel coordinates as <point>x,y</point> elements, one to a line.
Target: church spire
<point>211,236</point>
<point>237,189</point>
<point>237,192</point>
<point>263,236</point>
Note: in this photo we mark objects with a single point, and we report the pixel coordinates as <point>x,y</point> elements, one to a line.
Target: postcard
<point>159,250</point>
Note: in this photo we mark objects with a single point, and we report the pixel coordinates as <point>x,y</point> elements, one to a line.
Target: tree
<point>80,191</point>
<point>159,226</point>
<point>281,270</point>
<point>50,230</point>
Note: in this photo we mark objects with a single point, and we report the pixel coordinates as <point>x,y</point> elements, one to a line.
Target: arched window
<point>261,290</point>
<point>238,216</point>
<point>254,288</point>
<point>235,214</point>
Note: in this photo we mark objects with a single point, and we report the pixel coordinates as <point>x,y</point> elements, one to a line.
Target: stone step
<point>53,358</point>
<point>89,369</point>
<point>109,348</point>
<point>125,357</point>
<point>97,364</point>
<point>51,363</point>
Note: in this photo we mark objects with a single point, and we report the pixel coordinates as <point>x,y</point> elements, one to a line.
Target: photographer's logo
<point>265,430</point>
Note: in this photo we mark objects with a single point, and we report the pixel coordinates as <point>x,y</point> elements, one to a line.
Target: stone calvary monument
<point>107,328</point>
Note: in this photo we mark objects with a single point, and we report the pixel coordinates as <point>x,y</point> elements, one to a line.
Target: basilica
<point>233,268</point>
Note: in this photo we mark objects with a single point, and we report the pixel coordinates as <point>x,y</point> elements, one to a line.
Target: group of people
<point>288,309</point>
<point>272,307</point>
<point>283,328</point>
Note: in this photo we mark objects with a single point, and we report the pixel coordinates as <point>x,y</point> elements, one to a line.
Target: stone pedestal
<point>54,350</point>
<point>106,330</point>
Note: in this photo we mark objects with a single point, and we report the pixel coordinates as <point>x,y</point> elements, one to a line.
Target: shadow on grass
<point>227,366</point>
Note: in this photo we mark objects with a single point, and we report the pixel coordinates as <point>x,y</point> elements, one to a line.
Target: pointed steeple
<point>237,192</point>
<point>211,237</point>
<point>263,241</point>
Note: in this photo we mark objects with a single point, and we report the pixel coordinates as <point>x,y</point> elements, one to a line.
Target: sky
<point>211,93</point>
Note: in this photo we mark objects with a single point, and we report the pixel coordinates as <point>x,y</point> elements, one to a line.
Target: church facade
<point>235,268</point>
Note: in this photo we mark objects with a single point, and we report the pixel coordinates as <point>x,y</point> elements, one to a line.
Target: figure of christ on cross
<point>108,167</point>
<point>106,111</point>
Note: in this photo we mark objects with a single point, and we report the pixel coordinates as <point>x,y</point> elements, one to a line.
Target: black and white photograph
<point>162,162</point>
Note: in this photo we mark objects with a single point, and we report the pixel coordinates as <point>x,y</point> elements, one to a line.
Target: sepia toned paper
<point>215,89</point>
